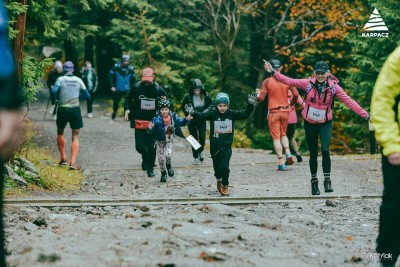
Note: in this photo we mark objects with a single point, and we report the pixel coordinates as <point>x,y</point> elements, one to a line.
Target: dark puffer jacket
<point>189,98</point>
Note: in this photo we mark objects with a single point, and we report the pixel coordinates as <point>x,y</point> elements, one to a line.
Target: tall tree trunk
<point>71,53</point>
<point>260,41</point>
<point>19,42</point>
<point>89,49</point>
<point>105,52</point>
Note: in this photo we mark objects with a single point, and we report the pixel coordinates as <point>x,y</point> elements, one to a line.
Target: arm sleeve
<point>111,77</point>
<point>386,90</point>
<point>128,100</point>
<point>264,90</point>
<point>205,115</point>
<point>295,94</point>
<point>95,81</point>
<point>298,83</point>
<point>56,87</point>
<point>242,114</point>
<point>350,103</point>
<point>86,94</point>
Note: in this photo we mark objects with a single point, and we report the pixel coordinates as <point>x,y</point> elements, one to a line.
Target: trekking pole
<point>47,108</point>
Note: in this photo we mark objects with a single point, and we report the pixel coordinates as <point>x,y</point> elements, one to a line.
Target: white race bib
<point>316,114</point>
<point>147,104</point>
<point>223,126</point>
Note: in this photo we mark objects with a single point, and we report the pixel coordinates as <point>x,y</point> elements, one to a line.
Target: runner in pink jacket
<point>321,89</point>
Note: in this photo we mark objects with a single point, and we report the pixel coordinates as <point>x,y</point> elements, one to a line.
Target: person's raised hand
<point>252,98</point>
<point>268,67</point>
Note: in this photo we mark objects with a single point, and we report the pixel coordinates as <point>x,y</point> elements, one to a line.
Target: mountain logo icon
<point>375,22</point>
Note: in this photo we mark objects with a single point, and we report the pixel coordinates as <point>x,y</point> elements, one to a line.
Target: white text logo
<point>375,26</point>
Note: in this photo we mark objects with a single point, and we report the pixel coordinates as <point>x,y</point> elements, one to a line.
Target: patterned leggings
<point>164,151</point>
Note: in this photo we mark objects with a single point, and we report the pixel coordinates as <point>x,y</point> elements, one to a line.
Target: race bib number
<point>222,127</point>
<point>147,104</point>
<point>316,114</point>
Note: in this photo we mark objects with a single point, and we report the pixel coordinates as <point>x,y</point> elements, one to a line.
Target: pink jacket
<point>292,114</point>
<point>318,108</point>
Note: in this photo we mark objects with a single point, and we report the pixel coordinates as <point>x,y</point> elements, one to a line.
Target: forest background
<point>221,42</point>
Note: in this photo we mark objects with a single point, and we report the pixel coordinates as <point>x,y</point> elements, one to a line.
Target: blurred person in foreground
<point>10,113</point>
<point>385,111</point>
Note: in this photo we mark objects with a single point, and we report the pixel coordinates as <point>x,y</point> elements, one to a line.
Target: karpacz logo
<point>374,34</point>
<point>375,26</point>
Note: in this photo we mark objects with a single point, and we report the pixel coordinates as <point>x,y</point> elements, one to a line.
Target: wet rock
<point>14,176</point>
<point>40,221</point>
<point>330,203</point>
<point>27,165</point>
<point>147,224</point>
<point>48,258</point>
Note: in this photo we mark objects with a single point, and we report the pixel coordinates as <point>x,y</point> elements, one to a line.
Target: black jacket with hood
<point>189,98</point>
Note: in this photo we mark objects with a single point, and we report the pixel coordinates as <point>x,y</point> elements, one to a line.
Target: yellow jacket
<point>386,91</point>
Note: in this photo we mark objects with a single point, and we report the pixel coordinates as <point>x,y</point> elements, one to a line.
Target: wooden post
<point>19,42</point>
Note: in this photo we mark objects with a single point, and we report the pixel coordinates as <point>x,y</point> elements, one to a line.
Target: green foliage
<point>262,139</point>
<point>177,49</point>
<point>32,72</point>
<point>14,9</point>
<point>367,58</point>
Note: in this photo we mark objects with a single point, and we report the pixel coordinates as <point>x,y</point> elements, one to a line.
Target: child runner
<point>221,125</point>
<point>320,89</point>
<point>164,126</point>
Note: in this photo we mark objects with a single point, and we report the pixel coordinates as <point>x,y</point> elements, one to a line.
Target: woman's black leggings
<point>313,133</point>
<point>197,128</point>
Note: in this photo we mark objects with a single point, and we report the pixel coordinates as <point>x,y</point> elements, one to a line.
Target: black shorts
<point>71,115</point>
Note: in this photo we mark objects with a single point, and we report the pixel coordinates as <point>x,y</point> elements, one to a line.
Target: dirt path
<point>302,233</point>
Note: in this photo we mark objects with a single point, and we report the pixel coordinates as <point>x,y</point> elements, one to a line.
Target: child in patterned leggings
<point>164,126</point>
